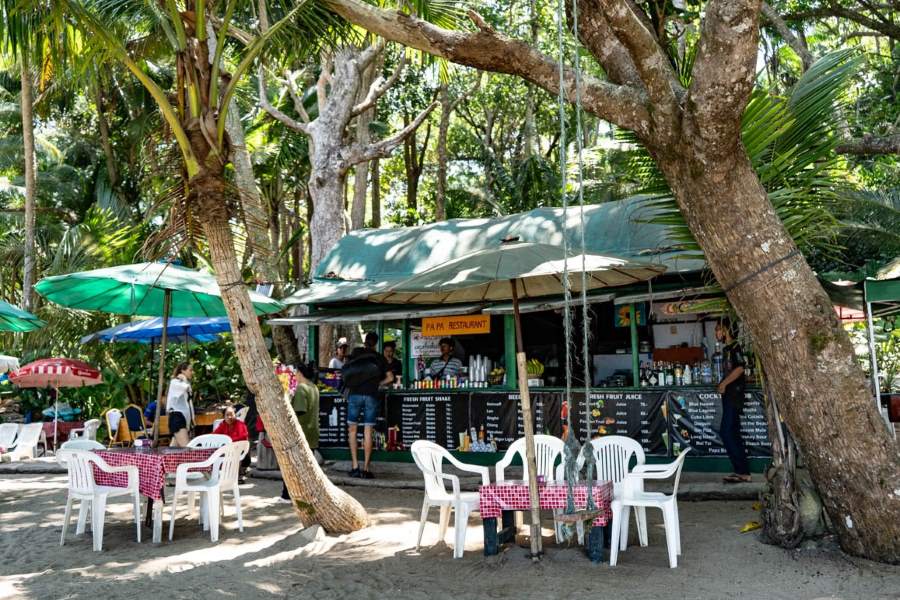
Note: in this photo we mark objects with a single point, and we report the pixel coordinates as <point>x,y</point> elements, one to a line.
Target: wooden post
<point>528,426</point>
<point>167,306</point>
<point>635,357</point>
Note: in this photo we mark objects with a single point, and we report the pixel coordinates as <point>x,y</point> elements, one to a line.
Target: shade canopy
<point>191,329</point>
<point>139,289</point>
<point>536,268</point>
<point>16,319</point>
<point>57,373</point>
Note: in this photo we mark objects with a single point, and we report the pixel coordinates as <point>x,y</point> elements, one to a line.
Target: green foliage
<point>887,350</point>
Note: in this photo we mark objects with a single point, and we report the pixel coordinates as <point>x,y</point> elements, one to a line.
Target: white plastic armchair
<point>30,436</point>
<point>222,463</point>
<point>634,496</point>
<point>547,449</point>
<point>430,457</point>
<point>88,432</point>
<point>82,486</point>
<point>242,414</point>
<point>8,434</point>
<point>612,458</point>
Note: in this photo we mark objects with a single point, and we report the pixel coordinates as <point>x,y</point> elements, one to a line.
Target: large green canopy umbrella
<point>514,270</point>
<point>152,289</point>
<point>16,319</point>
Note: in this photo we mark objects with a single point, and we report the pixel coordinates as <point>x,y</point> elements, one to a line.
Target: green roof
<point>367,259</point>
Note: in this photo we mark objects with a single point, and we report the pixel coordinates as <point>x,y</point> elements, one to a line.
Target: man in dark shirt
<point>362,402</point>
<point>732,389</point>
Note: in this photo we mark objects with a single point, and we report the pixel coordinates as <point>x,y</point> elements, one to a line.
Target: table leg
<point>508,531</point>
<point>491,544</point>
<point>157,522</point>
<point>148,520</point>
<point>595,544</point>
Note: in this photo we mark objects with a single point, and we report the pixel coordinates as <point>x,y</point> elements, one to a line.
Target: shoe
<point>355,473</point>
<point>368,475</point>
<point>242,480</point>
<point>284,500</point>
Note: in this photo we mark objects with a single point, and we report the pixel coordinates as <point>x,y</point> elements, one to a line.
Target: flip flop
<point>734,478</point>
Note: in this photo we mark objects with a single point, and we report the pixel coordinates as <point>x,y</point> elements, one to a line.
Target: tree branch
<point>870,145</point>
<point>723,75</point>
<point>296,98</point>
<point>630,26</point>
<point>322,82</point>
<point>274,112</point>
<point>597,36</point>
<point>835,10</point>
<point>379,87</point>
<point>383,148</point>
<point>797,45</point>
<point>621,105</point>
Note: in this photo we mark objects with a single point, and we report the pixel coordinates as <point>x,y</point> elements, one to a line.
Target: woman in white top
<point>340,354</point>
<point>179,406</point>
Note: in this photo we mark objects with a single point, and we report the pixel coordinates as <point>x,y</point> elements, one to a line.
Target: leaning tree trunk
<point>30,182</point>
<point>853,460</point>
<point>315,498</point>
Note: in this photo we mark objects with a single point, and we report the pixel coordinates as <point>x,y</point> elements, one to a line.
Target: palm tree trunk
<point>316,499</point>
<point>30,181</point>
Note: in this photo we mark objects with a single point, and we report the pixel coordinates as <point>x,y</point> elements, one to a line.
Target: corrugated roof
<point>374,258</point>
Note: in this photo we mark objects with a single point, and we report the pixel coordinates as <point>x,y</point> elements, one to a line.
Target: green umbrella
<point>152,289</point>
<point>141,289</point>
<point>16,319</point>
<point>514,270</point>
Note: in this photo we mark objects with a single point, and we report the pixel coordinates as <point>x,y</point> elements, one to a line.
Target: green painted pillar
<point>509,351</point>
<point>635,357</point>
<point>312,343</point>
<point>379,329</point>
<point>406,359</point>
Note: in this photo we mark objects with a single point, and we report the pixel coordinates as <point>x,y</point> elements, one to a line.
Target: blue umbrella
<point>146,331</point>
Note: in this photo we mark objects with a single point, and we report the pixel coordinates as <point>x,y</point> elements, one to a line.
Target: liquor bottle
<point>717,364</point>
<point>688,375</point>
<point>643,380</point>
<point>654,378</point>
<point>679,375</point>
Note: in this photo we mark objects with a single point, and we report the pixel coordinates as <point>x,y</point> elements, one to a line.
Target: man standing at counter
<point>447,365</point>
<point>363,373</point>
<point>732,389</point>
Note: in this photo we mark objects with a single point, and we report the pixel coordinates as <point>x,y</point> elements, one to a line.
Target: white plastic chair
<point>225,463</point>
<point>547,449</point>
<point>88,432</point>
<point>113,417</point>
<point>82,486</point>
<point>8,434</point>
<point>636,497</point>
<point>79,444</point>
<point>208,440</point>
<point>612,457</point>
<point>216,423</point>
<point>30,436</point>
<point>429,458</point>
<point>242,414</point>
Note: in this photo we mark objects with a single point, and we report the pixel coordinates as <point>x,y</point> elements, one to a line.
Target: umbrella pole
<point>167,305</point>
<point>528,426</point>
<point>55,416</point>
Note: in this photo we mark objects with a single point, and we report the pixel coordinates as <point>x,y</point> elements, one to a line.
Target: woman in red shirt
<point>237,431</point>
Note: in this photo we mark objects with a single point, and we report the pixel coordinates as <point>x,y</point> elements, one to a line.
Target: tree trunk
<point>363,136</point>
<point>30,181</point>
<point>795,331</point>
<point>112,171</point>
<point>316,499</point>
<point>440,187</point>
<point>376,193</point>
<point>264,255</point>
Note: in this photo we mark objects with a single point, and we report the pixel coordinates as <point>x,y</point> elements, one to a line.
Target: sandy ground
<point>274,557</point>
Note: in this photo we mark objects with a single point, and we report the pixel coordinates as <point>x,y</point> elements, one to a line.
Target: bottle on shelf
<point>717,364</point>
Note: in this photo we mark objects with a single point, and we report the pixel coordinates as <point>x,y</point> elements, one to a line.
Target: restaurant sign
<point>456,325</point>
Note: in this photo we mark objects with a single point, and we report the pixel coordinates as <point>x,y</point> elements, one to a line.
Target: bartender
<point>390,357</point>
<point>447,365</point>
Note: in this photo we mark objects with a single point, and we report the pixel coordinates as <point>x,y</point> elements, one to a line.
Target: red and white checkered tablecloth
<point>152,464</point>
<point>513,495</point>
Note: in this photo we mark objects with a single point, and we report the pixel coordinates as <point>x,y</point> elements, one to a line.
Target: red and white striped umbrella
<point>56,373</point>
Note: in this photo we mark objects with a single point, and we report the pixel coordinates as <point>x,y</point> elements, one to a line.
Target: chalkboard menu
<point>695,417</point>
<point>434,417</point>
<point>500,416</point>
<point>636,414</point>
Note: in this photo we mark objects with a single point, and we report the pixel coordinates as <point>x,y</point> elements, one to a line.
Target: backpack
<point>361,370</point>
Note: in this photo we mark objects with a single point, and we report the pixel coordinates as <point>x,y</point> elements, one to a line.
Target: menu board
<point>636,414</point>
<point>500,416</point>
<point>436,417</point>
<point>695,418</point>
<point>333,421</point>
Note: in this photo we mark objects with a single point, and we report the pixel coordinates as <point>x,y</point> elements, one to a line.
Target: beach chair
<point>225,463</point>
<point>8,434</point>
<point>429,458</point>
<point>612,460</point>
<point>113,417</point>
<point>30,437</point>
<point>88,432</point>
<point>634,496</point>
<point>136,426</point>
<point>82,486</point>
